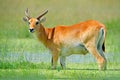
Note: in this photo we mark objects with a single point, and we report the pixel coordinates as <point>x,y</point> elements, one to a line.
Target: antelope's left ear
<point>42,19</point>
<point>25,19</point>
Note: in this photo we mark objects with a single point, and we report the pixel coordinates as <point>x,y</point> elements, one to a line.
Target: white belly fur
<point>73,49</point>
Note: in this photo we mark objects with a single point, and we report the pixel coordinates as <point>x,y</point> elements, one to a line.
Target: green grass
<point>20,45</point>
<point>75,71</point>
<point>15,38</point>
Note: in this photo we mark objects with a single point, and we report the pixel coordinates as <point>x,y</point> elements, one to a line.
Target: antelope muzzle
<point>31,30</point>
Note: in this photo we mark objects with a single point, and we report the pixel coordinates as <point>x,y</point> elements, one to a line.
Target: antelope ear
<point>25,19</point>
<point>42,19</point>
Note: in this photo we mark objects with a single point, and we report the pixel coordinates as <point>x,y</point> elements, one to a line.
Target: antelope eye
<point>37,23</point>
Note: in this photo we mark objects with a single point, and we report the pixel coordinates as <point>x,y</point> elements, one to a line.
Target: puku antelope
<point>62,41</point>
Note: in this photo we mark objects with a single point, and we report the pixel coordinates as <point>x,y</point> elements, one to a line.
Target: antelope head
<point>34,22</point>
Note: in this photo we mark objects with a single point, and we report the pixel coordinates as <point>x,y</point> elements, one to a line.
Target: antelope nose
<point>31,30</point>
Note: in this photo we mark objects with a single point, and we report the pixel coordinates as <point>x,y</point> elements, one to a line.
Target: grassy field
<point>75,71</point>
<point>15,38</point>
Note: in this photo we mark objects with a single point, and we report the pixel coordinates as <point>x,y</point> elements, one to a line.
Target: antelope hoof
<point>63,67</point>
<point>53,67</point>
<point>102,66</point>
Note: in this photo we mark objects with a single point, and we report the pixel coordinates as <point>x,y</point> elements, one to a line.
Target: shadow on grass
<point>91,69</point>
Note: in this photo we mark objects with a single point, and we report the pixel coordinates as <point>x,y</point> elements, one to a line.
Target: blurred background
<point>60,13</point>
<point>17,44</point>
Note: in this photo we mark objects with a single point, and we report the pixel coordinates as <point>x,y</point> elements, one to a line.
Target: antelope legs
<point>54,60</point>
<point>101,60</point>
<point>62,61</point>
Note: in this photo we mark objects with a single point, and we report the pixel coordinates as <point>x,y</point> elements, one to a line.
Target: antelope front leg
<point>62,61</point>
<point>54,60</point>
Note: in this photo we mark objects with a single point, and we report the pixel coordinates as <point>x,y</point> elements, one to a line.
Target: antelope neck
<point>41,34</point>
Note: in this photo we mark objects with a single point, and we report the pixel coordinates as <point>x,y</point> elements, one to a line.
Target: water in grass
<point>46,57</point>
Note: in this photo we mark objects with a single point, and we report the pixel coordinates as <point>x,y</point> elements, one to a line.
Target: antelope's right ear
<point>25,19</point>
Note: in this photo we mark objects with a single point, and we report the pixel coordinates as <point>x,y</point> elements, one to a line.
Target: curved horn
<point>26,13</point>
<point>45,12</point>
